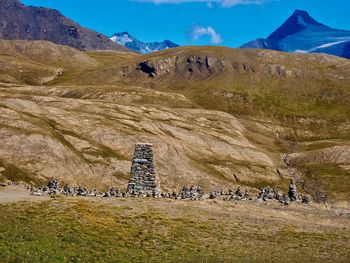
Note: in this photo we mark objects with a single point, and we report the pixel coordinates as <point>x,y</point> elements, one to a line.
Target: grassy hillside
<point>39,62</point>
<point>141,230</point>
<point>245,82</point>
<point>297,90</point>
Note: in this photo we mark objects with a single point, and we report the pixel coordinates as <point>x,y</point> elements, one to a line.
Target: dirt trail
<point>13,194</point>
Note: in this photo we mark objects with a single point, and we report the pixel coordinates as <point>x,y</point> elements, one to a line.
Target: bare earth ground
<point>16,194</point>
<point>156,230</point>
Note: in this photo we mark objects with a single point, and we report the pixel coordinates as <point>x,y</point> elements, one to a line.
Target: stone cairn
<point>143,179</point>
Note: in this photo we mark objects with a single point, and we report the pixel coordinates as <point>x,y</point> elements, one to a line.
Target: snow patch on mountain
<point>301,21</point>
<point>121,40</point>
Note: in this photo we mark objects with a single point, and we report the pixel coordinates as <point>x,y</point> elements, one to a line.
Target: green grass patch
<point>66,230</point>
<point>327,181</point>
<point>258,183</point>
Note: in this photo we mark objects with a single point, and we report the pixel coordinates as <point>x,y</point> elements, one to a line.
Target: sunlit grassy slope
<point>74,230</point>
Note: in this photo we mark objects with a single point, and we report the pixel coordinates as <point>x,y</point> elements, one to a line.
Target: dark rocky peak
<point>295,23</point>
<point>169,43</point>
<point>305,16</point>
<point>122,34</point>
<point>21,22</point>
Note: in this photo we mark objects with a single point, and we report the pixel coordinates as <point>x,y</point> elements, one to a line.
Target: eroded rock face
<point>193,66</point>
<point>158,67</point>
<point>200,66</point>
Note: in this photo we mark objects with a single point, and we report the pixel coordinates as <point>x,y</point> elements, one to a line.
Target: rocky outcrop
<point>189,67</point>
<point>199,66</point>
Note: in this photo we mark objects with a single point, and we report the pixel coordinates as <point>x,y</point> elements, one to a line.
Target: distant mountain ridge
<point>302,33</point>
<point>127,40</point>
<point>20,22</point>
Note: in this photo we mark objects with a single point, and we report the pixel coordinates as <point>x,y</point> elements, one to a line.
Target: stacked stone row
<point>187,193</point>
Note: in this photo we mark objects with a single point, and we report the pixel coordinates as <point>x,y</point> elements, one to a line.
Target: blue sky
<point>196,22</point>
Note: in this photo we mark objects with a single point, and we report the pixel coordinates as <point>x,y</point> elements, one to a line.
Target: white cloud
<point>229,3</point>
<point>196,32</point>
<point>222,3</point>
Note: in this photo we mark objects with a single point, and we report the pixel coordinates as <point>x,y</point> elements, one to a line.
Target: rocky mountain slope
<point>20,22</point>
<point>217,117</point>
<point>301,33</point>
<point>125,39</point>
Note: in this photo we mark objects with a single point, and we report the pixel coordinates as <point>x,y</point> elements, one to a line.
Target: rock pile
<point>68,190</point>
<point>268,193</point>
<point>113,192</point>
<point>52,184</point>
<point>143,180</point>
<point>306,199</point>
<point>193,193</point>
<point>52,188</point>
<point>237,195</point>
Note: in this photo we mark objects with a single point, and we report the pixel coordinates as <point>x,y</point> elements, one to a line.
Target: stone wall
<point>143,178</point>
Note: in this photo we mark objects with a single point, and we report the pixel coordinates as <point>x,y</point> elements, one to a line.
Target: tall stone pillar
<point>143,178</point>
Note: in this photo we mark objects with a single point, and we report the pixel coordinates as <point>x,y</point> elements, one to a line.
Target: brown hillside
<point>217,116</point>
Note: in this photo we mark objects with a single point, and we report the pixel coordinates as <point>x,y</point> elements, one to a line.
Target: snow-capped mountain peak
<point>121,38</point>
<point>125,39</point>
